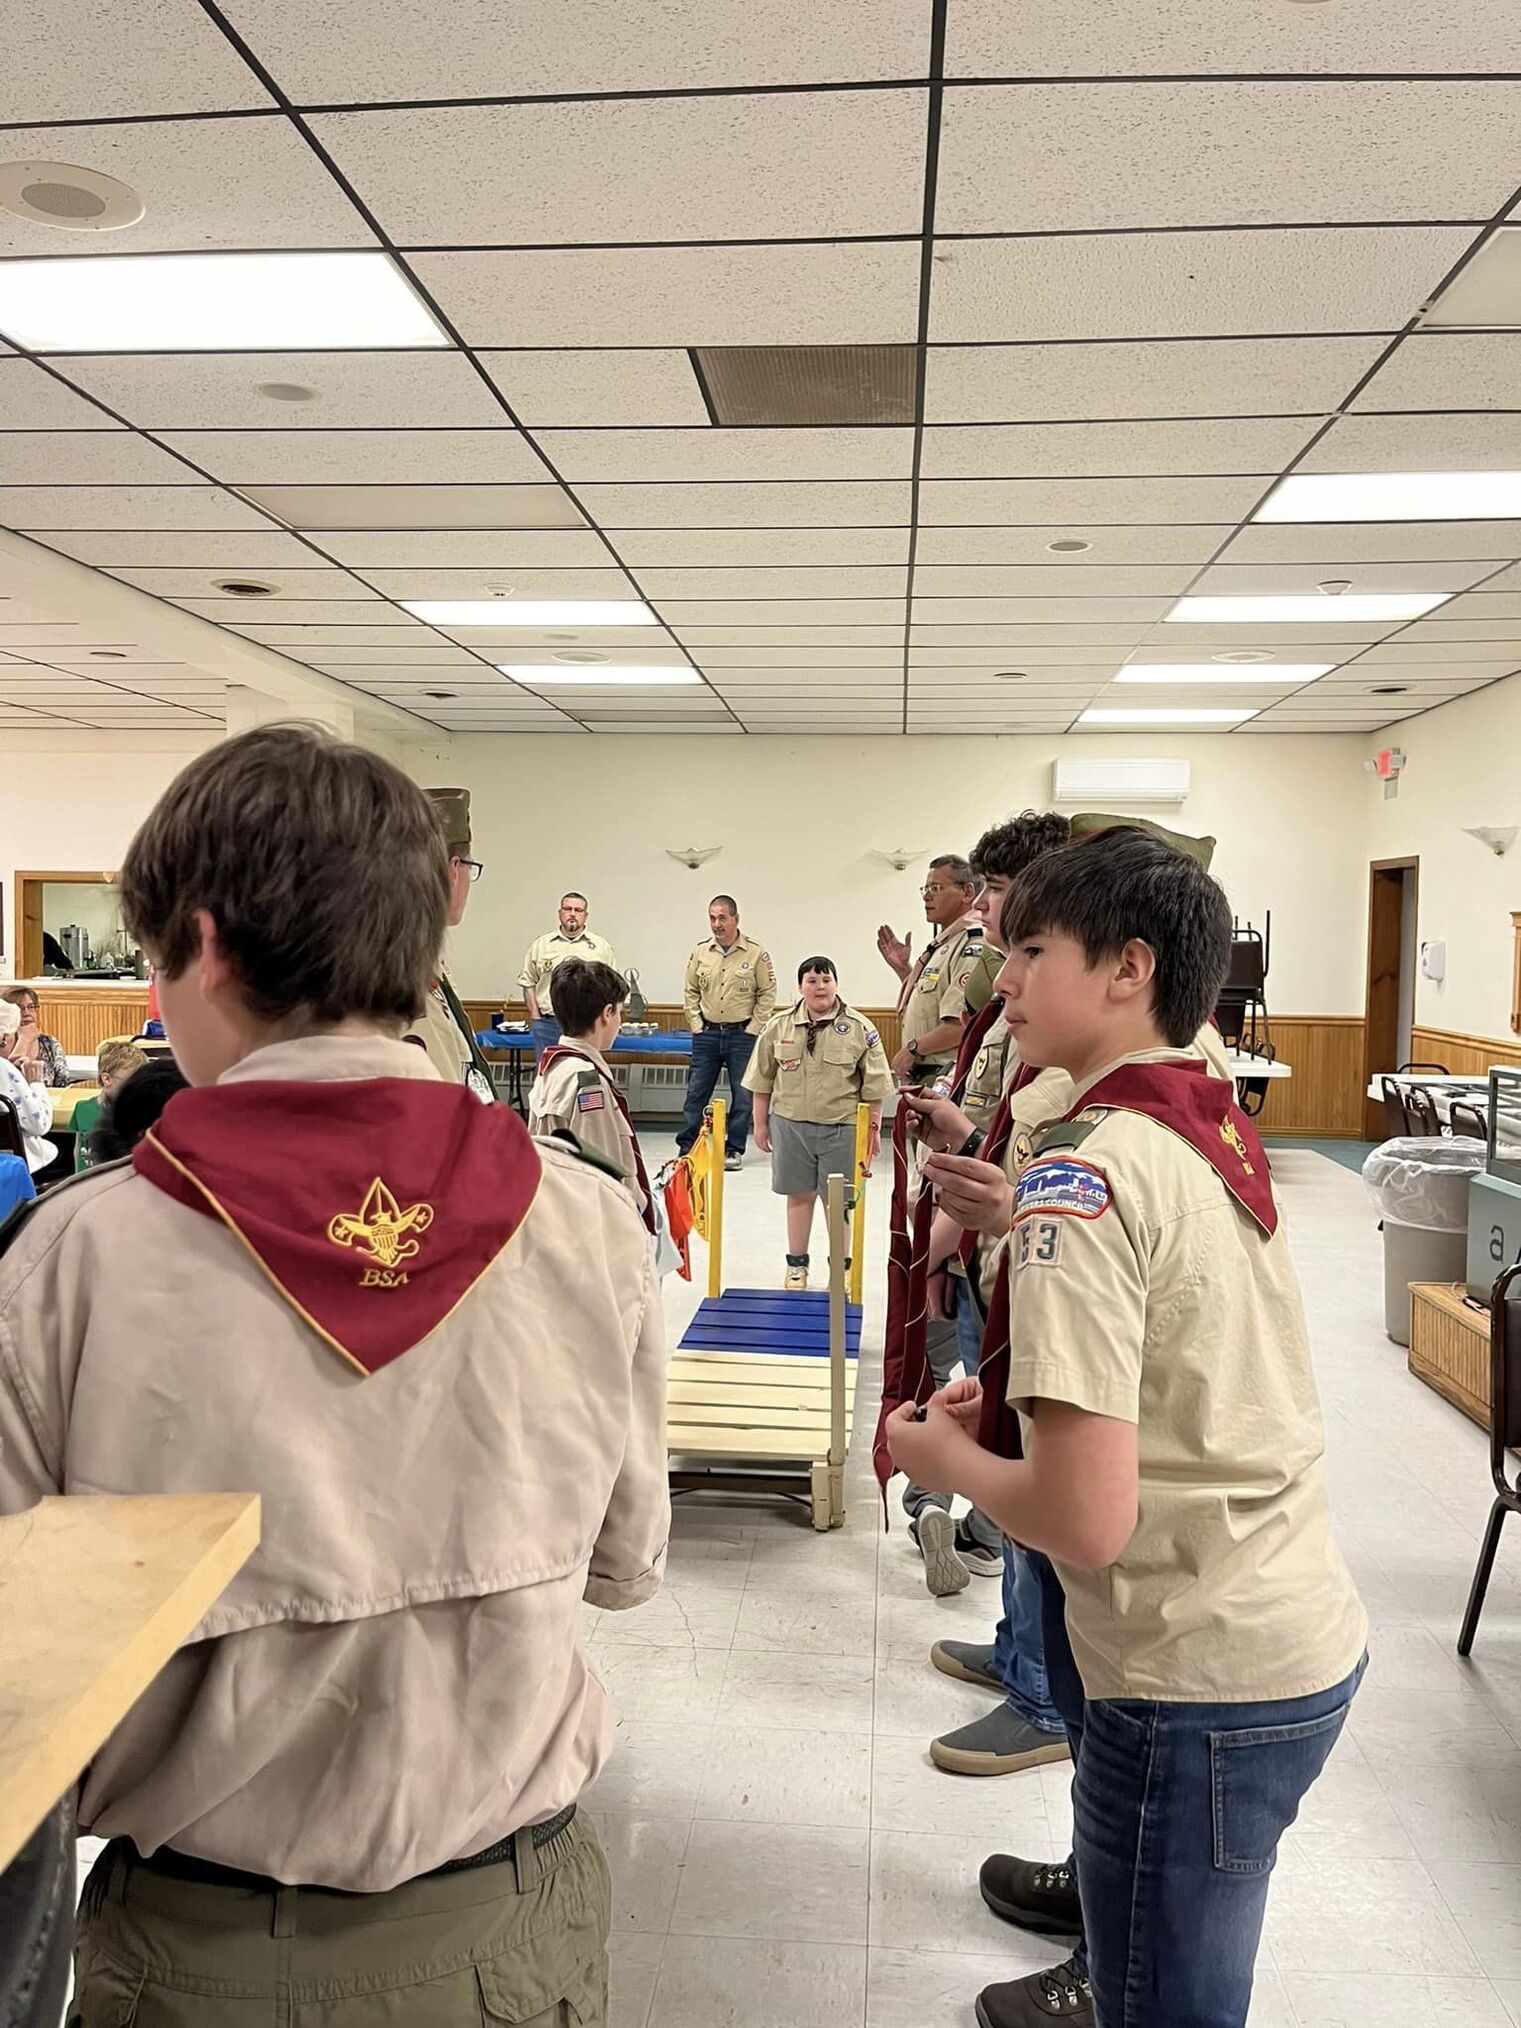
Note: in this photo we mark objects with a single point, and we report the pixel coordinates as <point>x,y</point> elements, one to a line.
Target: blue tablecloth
<point>522,1042</point>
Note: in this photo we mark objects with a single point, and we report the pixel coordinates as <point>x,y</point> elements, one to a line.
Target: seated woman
<point>21,1082</point>
<point>32,1045</point>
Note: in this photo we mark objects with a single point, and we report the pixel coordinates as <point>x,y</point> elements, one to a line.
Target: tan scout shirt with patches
<point>552,949</point>
<point>1149,1295</point>
<point>396,1677</point>
<point>446,1044</point>
<point>575,1097</point>
<point>945,982</point>
<point>848,1065</point>
<point>737,984</point>
<point>988,1075</point>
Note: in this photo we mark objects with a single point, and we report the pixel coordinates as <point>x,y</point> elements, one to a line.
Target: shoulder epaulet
<point>1050,1140</point>
<point>592,1157</point>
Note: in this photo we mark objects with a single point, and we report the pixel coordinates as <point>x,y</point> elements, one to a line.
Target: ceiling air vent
<point>807,385</point>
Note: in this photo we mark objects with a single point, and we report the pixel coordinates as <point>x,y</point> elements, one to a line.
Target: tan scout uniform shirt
<point>1159,1301</point>
<point>991,1070</point>
<point>949,979</point>
<point>574,1098</point>
<point>445,1046</point>
<point>552,949</point>
<point>395,1678</point>
<point>848,1064</point>
<point>738,984</point>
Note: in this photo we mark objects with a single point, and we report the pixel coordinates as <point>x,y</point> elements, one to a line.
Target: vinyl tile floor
<point>784,1853</point>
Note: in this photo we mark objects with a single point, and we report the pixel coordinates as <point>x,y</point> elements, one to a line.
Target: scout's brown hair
<point>118,1059</point>
<point>1004,851</point>
<point>579,991</point>
<point>1121,886</point>
<point>321,865</point>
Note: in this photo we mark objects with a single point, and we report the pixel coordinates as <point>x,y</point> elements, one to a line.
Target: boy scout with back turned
<point>434,1348</point>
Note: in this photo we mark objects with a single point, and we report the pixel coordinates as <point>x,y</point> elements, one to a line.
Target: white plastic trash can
<point>1420,1187</point>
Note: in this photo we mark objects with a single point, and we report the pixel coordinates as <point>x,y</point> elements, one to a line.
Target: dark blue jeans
<point>1019,1649</point>
<point>715,1050</point>
<point>1177,1813</point>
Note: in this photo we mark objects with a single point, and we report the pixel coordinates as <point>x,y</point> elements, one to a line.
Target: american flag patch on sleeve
<point>591,1100</point>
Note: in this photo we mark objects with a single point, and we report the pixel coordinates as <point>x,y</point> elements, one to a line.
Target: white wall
<point>1463,766</point>
<point>797,819</point>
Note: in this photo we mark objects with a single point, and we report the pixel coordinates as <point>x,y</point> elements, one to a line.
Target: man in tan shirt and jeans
<point>434,1348</point>
<point>729,994</point>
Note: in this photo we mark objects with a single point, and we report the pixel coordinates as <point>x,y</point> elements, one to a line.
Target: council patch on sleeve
<point>1061,1187</point>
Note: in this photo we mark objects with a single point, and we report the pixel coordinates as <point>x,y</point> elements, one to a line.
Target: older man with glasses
<point>951,979</point>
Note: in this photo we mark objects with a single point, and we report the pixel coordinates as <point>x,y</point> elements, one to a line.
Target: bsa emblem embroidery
<point>1230,1133</point>
<point>380,1231</point>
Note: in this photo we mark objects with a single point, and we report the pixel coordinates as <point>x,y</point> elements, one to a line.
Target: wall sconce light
<point>900,858</point>
<point>692,855</point>
<point>1498,838</point>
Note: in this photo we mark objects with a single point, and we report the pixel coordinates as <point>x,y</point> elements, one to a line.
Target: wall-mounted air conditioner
<point>1119,784</point>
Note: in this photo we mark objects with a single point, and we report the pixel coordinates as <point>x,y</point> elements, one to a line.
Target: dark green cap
<point>452,809</point>
<point>1091,822</point>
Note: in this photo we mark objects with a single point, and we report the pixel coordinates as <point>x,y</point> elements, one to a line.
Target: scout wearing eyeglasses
<point>444,1029</point>
<point>952,977</point>
<point>813,1065</point>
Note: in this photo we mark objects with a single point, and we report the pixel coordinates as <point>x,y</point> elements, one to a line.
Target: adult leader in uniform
<point>571,940</point>
<point>444,1030</point>
<point>729,994</point>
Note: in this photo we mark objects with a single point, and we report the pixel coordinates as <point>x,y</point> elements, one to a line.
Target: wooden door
<point>1386,905</point>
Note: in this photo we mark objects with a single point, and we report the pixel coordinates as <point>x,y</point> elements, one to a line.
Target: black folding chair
<point>1467,1120</point>
<point>11,1139</point>
<point>1421,1111</point>
<point>1253,1091</point>
<point>1396,1119</point>
<point>1431,1069</point>
<point>1504,1434</point>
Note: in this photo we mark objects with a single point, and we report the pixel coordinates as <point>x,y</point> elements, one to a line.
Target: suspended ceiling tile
<point>1193,284</point>
<point>1482,606</point>
<point>98,59</point>
<point>198,583</point>
<point>1269,579</point>
<point>781,612</point>
<point>227,184</point>
<point>771,165</point>
<point>1374,541</point>
<point>432,653</point>
<point>687,456</point>
<point>222,550</point>
<point>360,457</point>
<point>293,636</point>
<point>465,548</point>
<point>664,726</point>
<point>188,506</point>
<point>781,657</point>
<point>1467,643</point>
<point>564,389</point>
<point>1416,443</point>
<point>1028,611</point>
<point>364,613</point>
<point>400,676</point>
<point>1228,376</point>
<point>32,399</point>
<point>409,506</point>
<point>840,293</point>
<point>1448,369</point>
<point>105,457</point>
<point>765,504</point>
<point>1107,547</point>
<point>338,51</point>
<point>493,640</point>
<point>1080,580</point>
<point>809,582</point>
<point>1071,503</point>
<point>716,548</point>
<point>722,639</point>
<point>661,653</point>
<point>1507,580</point>
<point>606,583</point>
<point>1020,645</point>
<point>1423,673</point>
<point>1073,158</point>
<point>350,390</point>
<point>1114,449</point>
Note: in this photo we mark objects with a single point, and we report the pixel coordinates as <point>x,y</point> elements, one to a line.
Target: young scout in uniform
<point>813,1065</point>
<point>730,994</point>
<point>950,979</point>
<point>444,1030</point>
<point>571,940</point>
<point>574,1091</point>
<point>433,1347</point>
<point>1172,1441</point>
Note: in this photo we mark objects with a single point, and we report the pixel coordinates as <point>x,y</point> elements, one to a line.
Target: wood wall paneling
<point>83,1018</point>
<point>1464,1055</point>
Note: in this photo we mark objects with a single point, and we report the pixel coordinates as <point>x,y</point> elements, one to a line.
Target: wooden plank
<point>697,1439</point>
<point>96,1593</point>
<point>692,1363</point>
<point>799,1415</point>
<point>1449,1346</point>
<point>736,1391</point>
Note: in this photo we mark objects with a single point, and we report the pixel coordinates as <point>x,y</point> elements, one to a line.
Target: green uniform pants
<point>524,1942</point>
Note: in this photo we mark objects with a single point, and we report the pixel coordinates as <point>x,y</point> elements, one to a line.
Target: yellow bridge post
<point>714,1127</point>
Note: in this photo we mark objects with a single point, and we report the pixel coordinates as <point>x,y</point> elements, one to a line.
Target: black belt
<point>723,1024</point>
<point>172,1865</point>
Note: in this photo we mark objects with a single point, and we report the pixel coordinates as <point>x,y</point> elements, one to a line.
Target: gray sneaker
<point>944,1571</point>
<point>998,1744</point>
<point>734,1161</point>
<point>968,1662</point>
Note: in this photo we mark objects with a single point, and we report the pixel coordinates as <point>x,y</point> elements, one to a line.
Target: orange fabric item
<point>678,1213</point>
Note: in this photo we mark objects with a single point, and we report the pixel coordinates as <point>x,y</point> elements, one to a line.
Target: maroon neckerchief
<point>1200,1109</point>
<point>553,1054</point>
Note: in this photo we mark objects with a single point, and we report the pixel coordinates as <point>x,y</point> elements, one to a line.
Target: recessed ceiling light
<point>1009,675</point>
<point>539,676</point>
<point>246,302</point>
<point>441,695</point>
<point>1204,715</point>
<point>1296,607</point>
<point>63,195</point>
<point>1068,546</point>
<point>1283,674</point>
<point>245,588</point>
<point>1394,496</point>
<point>109,654</point>
<point>531,612</point>
<point>286,390</point>
<point>1244,655</point>
<point>582,655</point>
<point>1389,689</point>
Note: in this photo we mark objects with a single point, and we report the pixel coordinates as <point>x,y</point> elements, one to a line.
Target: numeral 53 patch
<point>1037,1243</point>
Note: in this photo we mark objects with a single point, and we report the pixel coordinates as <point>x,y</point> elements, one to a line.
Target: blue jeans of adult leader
<point>717,1047</point>
<point>1177,1813</point>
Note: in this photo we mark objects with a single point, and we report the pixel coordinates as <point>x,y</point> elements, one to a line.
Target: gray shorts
<point>804,1156</point>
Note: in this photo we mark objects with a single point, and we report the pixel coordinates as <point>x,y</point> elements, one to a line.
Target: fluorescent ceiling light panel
<point>609,675</point>
<point>1313,607</point>
<point>531,612</point>
<point>1279,675</point>
<point>220,302</point>
<point>1202,715</point>
<point>1394,496</point>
